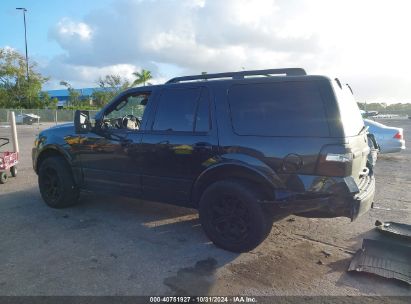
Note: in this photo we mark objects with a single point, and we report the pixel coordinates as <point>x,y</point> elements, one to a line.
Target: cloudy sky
<point>364,42</point>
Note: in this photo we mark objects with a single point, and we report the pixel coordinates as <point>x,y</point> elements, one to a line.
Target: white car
<point>390,139</point>
<point>27,119</point>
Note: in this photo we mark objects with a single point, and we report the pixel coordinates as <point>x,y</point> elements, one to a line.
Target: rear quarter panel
<point>272,150</point>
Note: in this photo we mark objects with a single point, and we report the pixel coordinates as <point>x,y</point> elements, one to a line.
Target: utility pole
<point>25,41</point>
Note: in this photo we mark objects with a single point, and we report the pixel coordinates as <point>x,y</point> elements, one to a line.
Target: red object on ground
<point>8,160</point>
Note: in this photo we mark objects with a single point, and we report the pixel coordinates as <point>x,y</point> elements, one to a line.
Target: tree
<point>109,87</point>
<point>47,102</point>
<point>142,77</point>
<point>74,95</point>
<point>15,90</point>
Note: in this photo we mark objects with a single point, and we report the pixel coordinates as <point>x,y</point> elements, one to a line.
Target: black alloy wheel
<point>56,183</point>
<point>232,216</point>
<point>51,185</point>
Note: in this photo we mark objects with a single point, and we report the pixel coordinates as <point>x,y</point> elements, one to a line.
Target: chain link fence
<point>46,115</point>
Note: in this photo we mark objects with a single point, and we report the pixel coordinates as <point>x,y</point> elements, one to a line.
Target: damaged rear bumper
<point>362,202</point>
<point>345,199</point>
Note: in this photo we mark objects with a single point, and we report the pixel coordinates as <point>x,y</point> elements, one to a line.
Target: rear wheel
<point>56,183</point>
<point>232,217</point>
<point>13,171</point>
<point>3,177</point>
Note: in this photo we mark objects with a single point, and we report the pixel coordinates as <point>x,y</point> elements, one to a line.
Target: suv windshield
<point>350,113</point>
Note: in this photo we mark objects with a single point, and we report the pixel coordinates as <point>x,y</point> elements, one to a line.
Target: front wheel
<point>56,183</point>
<point>232,217</point>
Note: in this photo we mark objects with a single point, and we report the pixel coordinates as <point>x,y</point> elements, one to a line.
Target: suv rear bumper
<point>362,202</point>
<point>346,198</point>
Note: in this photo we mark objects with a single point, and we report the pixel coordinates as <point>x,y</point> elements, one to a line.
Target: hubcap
<point>230,218</point>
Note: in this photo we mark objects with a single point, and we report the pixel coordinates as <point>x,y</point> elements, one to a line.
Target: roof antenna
<point>338,82</point>
<point>349,88</point>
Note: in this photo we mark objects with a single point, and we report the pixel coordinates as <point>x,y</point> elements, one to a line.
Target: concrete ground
<point>117,246</point>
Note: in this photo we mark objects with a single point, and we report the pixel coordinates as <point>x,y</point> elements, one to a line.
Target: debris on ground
<point>378,223</point>
<point>386,259</point>
<point>395,229</point>
<point>326,253</point>
<point>291,219</point>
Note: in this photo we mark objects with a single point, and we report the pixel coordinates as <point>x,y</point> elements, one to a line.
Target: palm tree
<point>142,77</point>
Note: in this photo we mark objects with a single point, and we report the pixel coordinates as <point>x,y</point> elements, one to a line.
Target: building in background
<point>63,95</point>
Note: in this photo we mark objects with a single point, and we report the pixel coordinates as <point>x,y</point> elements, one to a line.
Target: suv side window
<point>182,110</point>
<point>128,112</point>
<point>278,109</point>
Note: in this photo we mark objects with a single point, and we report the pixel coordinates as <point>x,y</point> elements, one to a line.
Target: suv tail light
<point>342,158</point>
<point>335,160</point>
<point>398,135</point>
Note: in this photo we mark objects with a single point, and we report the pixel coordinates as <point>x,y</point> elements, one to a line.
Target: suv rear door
<point>179,141</point>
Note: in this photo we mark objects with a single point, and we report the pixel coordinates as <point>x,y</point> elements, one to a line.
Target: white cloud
<point>82,75</point>
<point>67,28</point>
<point>360,40</point>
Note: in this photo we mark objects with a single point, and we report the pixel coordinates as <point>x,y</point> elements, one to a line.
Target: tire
<point>13,171</point>
<point>232,217</point>
<point>3,177</point>
<point>56,183</point>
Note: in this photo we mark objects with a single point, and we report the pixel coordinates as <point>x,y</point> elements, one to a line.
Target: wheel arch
<point>234,170</point>
<point>50,151</point>
<point>53,150</point>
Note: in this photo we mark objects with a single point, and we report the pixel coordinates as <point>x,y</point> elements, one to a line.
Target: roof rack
<point>241,74</point>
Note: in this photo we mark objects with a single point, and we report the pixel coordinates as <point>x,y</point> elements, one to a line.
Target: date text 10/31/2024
<point>205,299</point>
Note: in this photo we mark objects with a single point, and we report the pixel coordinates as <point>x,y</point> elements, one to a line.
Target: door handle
<point>164,142</point>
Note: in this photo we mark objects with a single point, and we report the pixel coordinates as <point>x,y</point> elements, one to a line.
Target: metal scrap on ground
<point>393,228</point>
<point>386,259</point>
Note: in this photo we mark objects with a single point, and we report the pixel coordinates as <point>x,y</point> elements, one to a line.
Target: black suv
<point>244,148</point>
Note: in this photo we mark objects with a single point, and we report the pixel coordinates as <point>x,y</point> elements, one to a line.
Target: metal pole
<point>25,40</point>
<point>12,120</point>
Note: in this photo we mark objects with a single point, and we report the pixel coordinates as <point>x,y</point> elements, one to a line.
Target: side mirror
<point>82,123</point>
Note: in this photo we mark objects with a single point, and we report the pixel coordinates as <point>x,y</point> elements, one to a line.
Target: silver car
<point>390,139</point>
<point>27,119</point>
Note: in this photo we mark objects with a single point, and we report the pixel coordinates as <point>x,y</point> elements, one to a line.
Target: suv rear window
<point>350,114</point>
<point>278,109</point>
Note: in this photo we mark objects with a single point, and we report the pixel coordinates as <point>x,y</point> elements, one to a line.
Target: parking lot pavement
<point>117,246</point>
